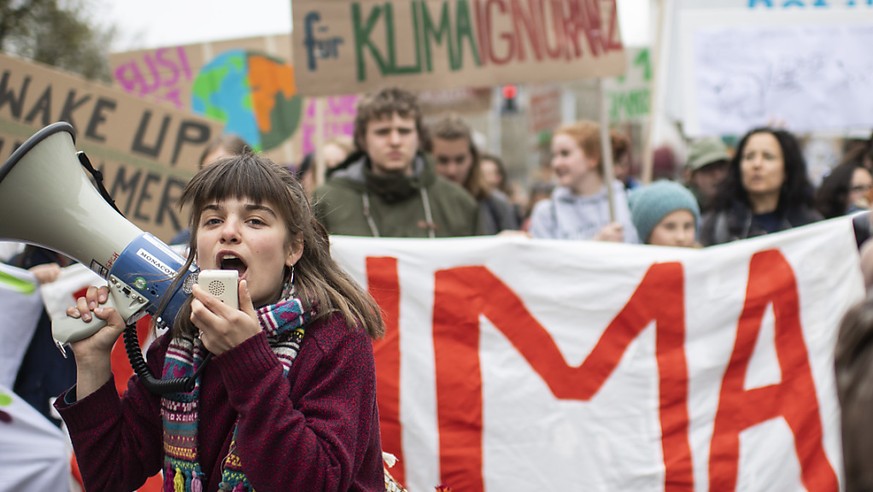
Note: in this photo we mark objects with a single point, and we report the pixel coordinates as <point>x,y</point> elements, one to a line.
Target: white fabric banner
<point>20,309</point>
<point>518,365</point>
<point>34,454</point>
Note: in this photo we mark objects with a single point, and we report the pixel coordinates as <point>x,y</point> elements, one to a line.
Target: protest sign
<point>34,453</point>
<point>146,152</point>
<point>20,309</point>
<point>339,119</point>
<point>247,84</point>
<point>737,64</point>
<point>347,47</point>
<point>219,78</point>
<point>628,95</point>
<point>514,364</point>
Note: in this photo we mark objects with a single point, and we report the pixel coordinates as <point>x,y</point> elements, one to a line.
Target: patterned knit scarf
<point>284,323</point>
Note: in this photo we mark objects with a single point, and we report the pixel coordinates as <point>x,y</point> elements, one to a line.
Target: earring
<point>288,288</point>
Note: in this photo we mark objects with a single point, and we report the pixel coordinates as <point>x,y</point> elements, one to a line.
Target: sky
<point>156,23</point>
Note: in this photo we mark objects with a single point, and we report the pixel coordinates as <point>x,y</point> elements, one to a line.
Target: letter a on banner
<point>771,280</point>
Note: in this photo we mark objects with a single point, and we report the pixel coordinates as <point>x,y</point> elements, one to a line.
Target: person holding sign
<point>767,190</point>
<point>388,188</point>
<point>288,400</point>
<point>579,207</point>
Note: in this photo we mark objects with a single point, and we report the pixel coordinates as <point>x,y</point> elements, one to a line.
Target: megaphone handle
<point>69,330</point>
<point>121,297</point>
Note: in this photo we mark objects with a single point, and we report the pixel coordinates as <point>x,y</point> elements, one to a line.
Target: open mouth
<point>229,261</point>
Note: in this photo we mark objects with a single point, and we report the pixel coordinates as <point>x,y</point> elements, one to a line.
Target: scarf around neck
<point>285,323</point>
<point>394,188</point>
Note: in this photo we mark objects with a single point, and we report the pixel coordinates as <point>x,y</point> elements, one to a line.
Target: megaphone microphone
<point>49,201</point>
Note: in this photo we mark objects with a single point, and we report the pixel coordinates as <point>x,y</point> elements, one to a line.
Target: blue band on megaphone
<point>149,266</point>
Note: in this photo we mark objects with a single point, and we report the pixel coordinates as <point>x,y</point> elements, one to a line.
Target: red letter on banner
<point>463,294</point>
<point>385,288</point>
<point>771,280</point>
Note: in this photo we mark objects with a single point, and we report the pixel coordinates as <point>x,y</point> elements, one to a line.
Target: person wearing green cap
<point>706,169</point>
<point>665,213</point>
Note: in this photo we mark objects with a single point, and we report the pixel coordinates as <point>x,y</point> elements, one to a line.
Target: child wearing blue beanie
<point>665,213</point>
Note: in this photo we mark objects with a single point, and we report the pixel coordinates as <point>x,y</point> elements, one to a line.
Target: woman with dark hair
<point>846,189</point>
<point>767,190</point>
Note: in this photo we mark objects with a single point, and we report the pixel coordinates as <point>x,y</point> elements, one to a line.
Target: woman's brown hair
<point>317,277</point>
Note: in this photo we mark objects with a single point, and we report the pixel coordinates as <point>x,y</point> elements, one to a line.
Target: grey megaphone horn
<point>49,201</point>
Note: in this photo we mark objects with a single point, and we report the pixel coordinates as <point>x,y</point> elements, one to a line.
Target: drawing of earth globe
<point>253,94</point>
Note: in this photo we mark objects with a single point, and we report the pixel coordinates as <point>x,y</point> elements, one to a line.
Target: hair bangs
<point>238,177</point>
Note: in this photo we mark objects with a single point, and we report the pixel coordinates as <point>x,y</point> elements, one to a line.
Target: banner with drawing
<point>147,152</point>
<point>515,365</point>
<point>344,47</point>
<point>736,64</point>
<point>247,84</point>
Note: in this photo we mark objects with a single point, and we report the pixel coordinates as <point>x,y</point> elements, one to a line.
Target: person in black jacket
<point>767,190</point>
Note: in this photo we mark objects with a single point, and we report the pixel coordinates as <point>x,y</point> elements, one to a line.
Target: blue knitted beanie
<point>649,204</point>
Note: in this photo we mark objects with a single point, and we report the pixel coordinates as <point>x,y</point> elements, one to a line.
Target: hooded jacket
<point>355,201</point>
<point>569,216</point>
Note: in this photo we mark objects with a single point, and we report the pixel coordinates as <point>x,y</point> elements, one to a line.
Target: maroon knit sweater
<point>317,429</point>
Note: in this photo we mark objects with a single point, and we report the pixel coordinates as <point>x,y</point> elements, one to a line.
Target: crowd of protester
<point>758,186</point>
<point>399,177</point>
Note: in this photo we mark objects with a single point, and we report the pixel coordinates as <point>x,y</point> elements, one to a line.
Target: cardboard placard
<point>344,47</point>
<point>147,152</point>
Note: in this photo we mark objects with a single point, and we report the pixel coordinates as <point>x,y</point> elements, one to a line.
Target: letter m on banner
<point>463,294</point>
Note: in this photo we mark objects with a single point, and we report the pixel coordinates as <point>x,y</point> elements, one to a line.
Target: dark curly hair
<point>832,196</point>
<point>796,189</point>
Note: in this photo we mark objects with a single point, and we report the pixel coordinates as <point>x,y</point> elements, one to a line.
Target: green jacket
<point>396,203</point>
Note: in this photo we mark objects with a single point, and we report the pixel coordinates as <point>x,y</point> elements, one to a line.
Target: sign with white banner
<point>736,64</point>
<point>512,364</point>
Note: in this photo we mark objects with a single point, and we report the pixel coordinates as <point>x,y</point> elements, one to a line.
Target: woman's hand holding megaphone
<point>93,353</point>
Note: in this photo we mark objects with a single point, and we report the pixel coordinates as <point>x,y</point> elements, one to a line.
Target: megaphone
<point>48,200</point>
